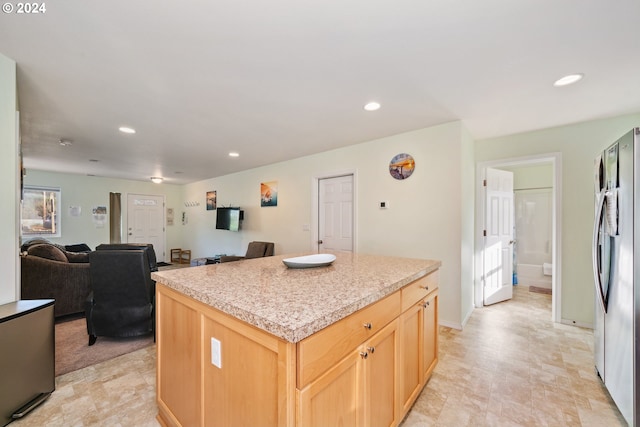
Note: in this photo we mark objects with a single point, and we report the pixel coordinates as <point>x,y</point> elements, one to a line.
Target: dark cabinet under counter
<point>27,356</point>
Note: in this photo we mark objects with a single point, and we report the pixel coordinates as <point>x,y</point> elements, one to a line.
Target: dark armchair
<point>122,300</point>
<point>148,247</point>
<point>254,250</point>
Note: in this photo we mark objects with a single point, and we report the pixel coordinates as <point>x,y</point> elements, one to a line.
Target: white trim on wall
<point>315,180</point>
<point>556,160</point>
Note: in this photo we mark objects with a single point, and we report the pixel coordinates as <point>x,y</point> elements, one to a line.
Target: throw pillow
<point>77,256</point>
<point>47,251</point>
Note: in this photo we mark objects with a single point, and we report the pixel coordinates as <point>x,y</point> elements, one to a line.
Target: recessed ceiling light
<point>372,106</point>
<point>65,142</point>
<point>234,154</point>
<point>156,179</point>
<point>125,129</point>
<point>567,80</point>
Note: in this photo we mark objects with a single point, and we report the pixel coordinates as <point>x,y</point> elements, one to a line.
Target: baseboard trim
<point>451,325</point>
<point>576,323</point>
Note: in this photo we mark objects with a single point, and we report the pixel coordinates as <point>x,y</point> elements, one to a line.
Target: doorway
<point>334,212</point>
<point>553,160</point>
<point>145,222</point>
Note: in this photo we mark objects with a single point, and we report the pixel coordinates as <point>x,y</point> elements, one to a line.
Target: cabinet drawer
<point>322,350</point>
<point>419,289</point>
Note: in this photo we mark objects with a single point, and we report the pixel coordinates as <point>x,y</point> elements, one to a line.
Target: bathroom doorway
<point>533,221</point>
<point>537,209</point>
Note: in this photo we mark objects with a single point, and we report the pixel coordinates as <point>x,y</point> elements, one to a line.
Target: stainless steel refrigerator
<point>616,251</point>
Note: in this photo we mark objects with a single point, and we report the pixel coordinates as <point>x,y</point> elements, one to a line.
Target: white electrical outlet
<point>216,353</point>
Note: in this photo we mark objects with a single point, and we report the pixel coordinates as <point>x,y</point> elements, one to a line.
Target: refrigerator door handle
<point>594,254</point>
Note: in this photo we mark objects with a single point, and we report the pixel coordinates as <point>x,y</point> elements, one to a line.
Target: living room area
<point>254,107</point>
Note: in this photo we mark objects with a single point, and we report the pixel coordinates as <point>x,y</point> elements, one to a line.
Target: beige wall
<point>9,182</point>
<point>579,144</point>
<point>430,213</point>
<point>88,192</point>
<point>534,176</point>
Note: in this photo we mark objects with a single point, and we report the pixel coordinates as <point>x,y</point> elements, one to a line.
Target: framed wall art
<point>402,166</point>
<point>269,193</point>
<point>211,200</point>
<point>40,212</point>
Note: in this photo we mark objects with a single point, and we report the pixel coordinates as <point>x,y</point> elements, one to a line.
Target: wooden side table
<point>185,256</point>
<point>176,255</point>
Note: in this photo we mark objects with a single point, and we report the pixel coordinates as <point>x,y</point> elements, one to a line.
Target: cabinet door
<point>411,354</point>
<point>430,335</point>
<point>335,398</point>
<point>178,363</point>
<point>381,377</point>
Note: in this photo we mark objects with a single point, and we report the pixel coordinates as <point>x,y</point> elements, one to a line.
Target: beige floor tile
<point>509,367</point>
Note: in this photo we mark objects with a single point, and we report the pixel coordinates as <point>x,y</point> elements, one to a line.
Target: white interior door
<point>498,247</point>
<point>145,222</point>
<point>335,213</point>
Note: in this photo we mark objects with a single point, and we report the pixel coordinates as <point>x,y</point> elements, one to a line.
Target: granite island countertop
<point>295,303</point>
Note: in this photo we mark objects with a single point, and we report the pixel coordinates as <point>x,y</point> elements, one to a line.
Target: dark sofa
<point>47,271</point>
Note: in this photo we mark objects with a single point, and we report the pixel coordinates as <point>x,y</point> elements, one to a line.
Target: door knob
<point>319,242</point>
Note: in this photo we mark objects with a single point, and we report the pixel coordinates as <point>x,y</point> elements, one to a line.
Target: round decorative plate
<point>309,261</point>
<point>402,166</point>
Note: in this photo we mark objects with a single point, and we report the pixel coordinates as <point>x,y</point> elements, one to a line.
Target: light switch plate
<point>216,353</point>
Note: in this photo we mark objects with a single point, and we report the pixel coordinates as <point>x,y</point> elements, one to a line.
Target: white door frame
<point>315,181</point>
<point>160,257</point>
<point>556,281</point>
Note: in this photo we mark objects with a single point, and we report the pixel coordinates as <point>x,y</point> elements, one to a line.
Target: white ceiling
<point>276,80</point>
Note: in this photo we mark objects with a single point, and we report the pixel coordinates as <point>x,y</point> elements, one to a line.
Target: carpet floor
<point>73,351</point>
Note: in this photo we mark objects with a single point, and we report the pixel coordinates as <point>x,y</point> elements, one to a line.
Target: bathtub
<point>533,275</point>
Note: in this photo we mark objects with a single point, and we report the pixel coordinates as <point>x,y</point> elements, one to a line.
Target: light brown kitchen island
<point>254,343</point>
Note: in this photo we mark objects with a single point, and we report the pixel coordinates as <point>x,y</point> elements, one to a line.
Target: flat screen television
<point>228,219</point>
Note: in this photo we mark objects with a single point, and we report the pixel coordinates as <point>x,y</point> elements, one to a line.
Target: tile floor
<point>511,366</point>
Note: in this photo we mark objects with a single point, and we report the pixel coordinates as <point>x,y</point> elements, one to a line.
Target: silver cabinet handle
<point>364,354</point>
<point>371,349</point>
<point>368,325</point>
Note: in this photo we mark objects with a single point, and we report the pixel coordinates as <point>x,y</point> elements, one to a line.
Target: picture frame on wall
<point>211,200</point>
<point>40,212</point>
<point>269,193</point>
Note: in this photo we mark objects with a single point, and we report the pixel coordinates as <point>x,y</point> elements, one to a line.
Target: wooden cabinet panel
<point>323,349</point>
<point>430,335</point>
<point>417,290</point>
<point>255,384</point>
<point>334,398</point>
<point>410,355</point>
<point>381,377</point>
<point>361,390</point>
<point>243,361</point>
<point>178,361</point>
